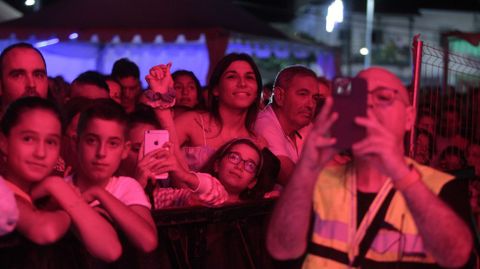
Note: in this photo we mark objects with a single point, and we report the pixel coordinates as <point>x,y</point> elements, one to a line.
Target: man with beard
<point>295,95</point>
<point>23,72</point>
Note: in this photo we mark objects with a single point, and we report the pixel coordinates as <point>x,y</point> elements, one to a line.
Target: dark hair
<point>105,109</point>
<point>200,100</point>
<point>92,78</point>
<point>213,102</point>
<point>21,45</point>
<point>25,104</point>
<point>74,106</point>
<point>143,114</point>
<point>287,74</point>
<point>111,78</point>
<point>456,151</point>
<point>225,149</point>
<point>125,68</point>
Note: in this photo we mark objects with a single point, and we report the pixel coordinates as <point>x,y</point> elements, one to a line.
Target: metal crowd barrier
<point>230,237</point>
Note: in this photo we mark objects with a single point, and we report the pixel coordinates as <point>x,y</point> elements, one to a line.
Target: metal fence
<point>446,96</point>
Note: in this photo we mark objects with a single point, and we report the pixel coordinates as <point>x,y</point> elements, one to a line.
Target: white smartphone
<point>154,139</point>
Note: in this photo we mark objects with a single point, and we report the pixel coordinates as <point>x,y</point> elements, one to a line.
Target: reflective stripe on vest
<point>398,238</point>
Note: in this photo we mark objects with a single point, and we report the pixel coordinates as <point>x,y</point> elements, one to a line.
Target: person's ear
<point>126,149</point>
<point>279,96</point>
<point>410,118</point>
<point>3,144</point>
<point>215,91</point>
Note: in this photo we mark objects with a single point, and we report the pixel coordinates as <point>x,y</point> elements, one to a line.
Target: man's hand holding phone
<point>381,147</point>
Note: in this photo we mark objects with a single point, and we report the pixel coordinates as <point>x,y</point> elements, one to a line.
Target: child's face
<point>136,136</point>
<point>235,177</point>
<point>422,150</point>
<point>32,146</point>
<point>101,147</point>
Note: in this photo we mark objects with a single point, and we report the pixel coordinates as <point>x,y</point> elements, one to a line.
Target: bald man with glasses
<point>381,210</point>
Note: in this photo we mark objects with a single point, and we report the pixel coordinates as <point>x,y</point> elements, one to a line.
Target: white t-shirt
<point>268,126</point>
<point>125,189</point>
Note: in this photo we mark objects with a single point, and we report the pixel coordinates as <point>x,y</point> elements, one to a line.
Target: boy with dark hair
<point>128,75</point>
<point>101,146</point>
<point>90,84</point>
<point>30,138</point>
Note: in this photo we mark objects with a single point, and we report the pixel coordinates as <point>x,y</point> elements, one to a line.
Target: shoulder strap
<point>373,230</point>
<point>203,129</point>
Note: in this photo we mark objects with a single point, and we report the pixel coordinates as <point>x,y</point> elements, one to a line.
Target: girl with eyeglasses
<point>226,178</point>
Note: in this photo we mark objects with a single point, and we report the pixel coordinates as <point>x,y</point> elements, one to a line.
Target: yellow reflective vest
<point>333,203</point>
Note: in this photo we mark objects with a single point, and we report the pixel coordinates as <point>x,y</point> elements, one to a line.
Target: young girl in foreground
<point>30,138</point>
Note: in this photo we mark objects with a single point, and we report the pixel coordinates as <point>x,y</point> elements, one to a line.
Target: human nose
<point>30,81</point>
<point>241,82</point>
<point>101,150</point>
<point>312,102</point>
<point>40,150</point>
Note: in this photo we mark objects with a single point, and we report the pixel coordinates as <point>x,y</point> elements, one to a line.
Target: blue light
<point>73,36</point>
<point>46,42</point>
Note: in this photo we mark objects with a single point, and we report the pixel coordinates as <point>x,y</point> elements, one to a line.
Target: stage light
<point>29,3</point>
<point>73,36</point>
<point>46,43</point>
<point>334,15</point>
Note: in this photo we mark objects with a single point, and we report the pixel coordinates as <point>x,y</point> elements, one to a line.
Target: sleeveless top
<point>197,156</point>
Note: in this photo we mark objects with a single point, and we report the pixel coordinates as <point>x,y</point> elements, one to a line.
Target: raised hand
<point>160,79</point>
<point>318,148</point>
<point>382,147</point>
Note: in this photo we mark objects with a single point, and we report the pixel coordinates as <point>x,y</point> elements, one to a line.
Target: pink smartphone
<point>349,101</point>
<point>154,139</point>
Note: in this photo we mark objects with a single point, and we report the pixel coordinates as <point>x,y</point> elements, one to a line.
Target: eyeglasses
<point>248,165</point>
<point>386,96</point>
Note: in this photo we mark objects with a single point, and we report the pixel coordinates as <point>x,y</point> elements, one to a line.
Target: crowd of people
<point>73,164</point>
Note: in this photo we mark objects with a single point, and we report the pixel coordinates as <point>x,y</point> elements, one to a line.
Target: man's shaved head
<point>378,77</point>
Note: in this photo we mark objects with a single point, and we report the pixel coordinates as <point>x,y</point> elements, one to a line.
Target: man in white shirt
<point>283,123</point>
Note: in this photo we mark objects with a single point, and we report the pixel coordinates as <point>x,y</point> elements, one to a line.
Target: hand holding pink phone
<point>154,139</point>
